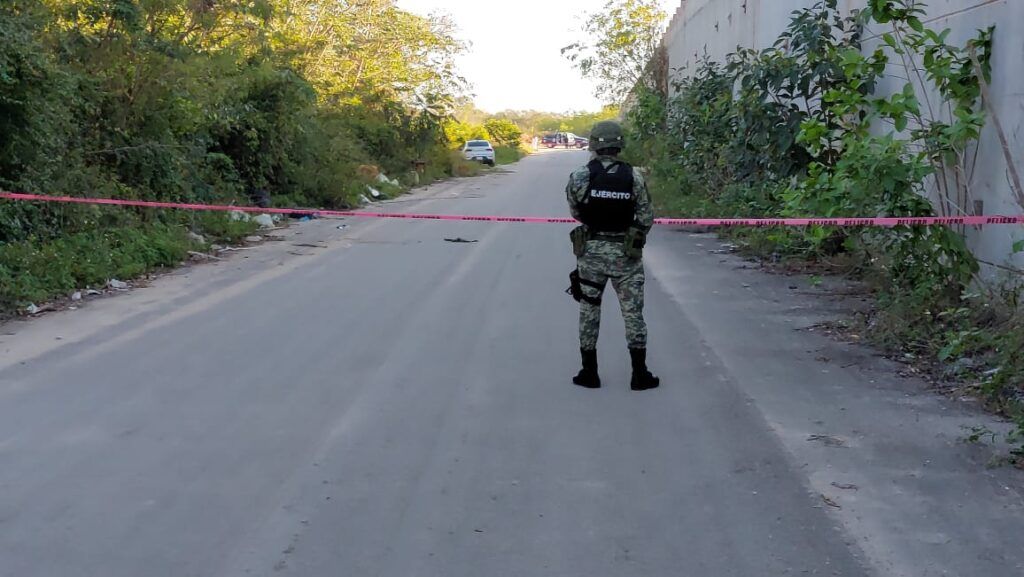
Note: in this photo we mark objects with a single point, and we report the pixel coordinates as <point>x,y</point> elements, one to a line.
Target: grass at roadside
<point>34,271</point>
<point>508,154</point>
<point>463,168</point>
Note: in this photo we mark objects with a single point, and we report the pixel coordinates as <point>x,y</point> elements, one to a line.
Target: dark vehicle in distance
<point>565,140</point>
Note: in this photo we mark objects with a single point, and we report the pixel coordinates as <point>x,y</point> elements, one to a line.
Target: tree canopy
<point>193,98</point>
<point>617,43</point>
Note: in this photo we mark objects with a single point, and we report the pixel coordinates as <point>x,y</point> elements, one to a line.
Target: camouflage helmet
<point>607,134</point>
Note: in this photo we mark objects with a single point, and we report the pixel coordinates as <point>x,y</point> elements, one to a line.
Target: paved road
<point>376,401</point>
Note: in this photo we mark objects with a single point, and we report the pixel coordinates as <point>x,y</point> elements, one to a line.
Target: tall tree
<point>351,49</point>
<point>617,45</point>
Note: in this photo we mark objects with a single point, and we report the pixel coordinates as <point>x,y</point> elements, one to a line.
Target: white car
<point>480,150</point>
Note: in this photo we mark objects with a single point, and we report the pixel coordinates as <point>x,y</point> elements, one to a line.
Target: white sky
<point>514,60</point>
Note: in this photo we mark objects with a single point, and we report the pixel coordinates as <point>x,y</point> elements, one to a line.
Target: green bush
<point>504,133</point>
<point>459,133</point>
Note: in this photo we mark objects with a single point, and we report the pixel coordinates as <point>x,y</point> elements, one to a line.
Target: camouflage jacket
<point>580,179</point>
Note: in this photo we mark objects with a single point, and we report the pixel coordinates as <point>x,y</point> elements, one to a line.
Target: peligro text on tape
<point>717,222</point>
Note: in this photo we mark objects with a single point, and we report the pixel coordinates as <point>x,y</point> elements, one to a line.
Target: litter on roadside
<point>382,178</point>
<point>264,220</point>
<point>202,256</point>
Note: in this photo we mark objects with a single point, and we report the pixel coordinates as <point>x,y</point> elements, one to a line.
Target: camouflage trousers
<point>604,260</point>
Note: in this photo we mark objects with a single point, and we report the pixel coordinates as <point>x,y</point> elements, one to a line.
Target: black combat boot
<point>643,380</point>
<point>588,377</point>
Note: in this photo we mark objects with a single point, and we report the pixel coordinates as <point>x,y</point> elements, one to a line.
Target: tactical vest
<point>609,204</point>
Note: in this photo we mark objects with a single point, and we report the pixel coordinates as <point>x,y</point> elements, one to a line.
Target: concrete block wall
<point>718,27</point>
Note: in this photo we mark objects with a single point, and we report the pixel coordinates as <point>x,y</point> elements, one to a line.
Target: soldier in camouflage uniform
<point>610,198</point>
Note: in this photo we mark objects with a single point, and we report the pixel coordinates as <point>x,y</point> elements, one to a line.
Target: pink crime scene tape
<point>730,222</point>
